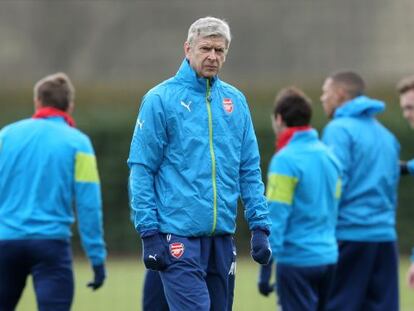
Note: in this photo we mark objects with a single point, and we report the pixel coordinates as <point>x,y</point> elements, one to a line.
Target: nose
<point>212,54</point>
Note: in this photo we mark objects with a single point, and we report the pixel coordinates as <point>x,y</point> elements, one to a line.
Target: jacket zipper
<point>213,158</point>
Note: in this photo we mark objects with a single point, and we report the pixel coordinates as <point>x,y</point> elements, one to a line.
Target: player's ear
<point>70,108</point>
<point>37,104</point>
<point>187,49</point>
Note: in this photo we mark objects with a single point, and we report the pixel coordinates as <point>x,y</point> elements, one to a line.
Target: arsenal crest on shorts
<point>228,105</point>
<point>177,249</point>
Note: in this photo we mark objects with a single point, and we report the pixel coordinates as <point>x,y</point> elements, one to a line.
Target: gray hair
<point>209,27</point>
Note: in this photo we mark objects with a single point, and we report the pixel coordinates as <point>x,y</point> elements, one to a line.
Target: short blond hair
<point>55,90</point>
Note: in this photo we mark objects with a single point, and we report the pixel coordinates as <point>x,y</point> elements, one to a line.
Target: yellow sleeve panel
<point>338,191</point>
<point>281,188</point>
<point>86,169</point>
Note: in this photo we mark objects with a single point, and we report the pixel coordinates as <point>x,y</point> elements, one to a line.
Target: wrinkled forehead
<point>213,40</point>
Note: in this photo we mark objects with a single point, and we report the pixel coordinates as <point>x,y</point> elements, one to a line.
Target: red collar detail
<point>284,137</point>
<point>46,112</point>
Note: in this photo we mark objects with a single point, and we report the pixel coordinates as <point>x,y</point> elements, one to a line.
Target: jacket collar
<point>188,75</point>
<point>360,106</point>
<point>285,137</point>
<point>50,112</point>
<point>304,136</point>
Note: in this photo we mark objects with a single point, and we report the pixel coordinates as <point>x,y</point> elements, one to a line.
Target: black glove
<point>155,252</point>
<point>265,274</point>
<point>404,168</point>
<point>265,288</point>
<point>99,276</point>
<point>260,248</point>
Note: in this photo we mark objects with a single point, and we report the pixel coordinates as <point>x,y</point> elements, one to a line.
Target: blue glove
<point>99,277</point>
<point>155,252</point>
<point>261,251</point>
<point>264,279</point>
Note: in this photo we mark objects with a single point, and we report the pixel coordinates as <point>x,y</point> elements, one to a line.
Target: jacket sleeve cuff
<point>148,233</point>
<point>410,166</point>
<point>263,228</point>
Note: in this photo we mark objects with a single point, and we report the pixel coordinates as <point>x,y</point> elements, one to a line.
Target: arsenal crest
<point>177,249</point>
<point>228,105</point>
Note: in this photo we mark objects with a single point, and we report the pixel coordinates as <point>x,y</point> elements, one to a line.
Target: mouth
<point>211,68</point>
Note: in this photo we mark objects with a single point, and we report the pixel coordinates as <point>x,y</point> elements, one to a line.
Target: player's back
<point>37,159</point>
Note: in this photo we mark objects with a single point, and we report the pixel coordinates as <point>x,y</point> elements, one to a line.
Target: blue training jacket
<point>46,166</point>
<point>193,153</point>
<point>303,190</point>
<point>369,154</point>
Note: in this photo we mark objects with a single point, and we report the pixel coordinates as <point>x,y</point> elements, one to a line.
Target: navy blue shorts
<point>200,277</point>
<point>366,277</point>
<point>303,288</point>
<point>50,264</point>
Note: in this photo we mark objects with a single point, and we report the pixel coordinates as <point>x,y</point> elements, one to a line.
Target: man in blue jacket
<point>193,154</point>
<point>367,271</point>
<point>302,190</point>
<point>405,89</point>
<point>45,165</point>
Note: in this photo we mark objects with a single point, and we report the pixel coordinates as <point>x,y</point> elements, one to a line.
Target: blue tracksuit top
<point>46,166</point>
<point>193,153</point>
<point>369,154</point>
<point>302,190</point>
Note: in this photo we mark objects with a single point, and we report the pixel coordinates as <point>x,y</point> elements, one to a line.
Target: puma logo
<point>153,257</point>
<point>140,124</point>
<point>186,105</point>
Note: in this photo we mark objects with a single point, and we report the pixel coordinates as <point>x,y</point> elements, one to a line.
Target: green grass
<point>122,290</point>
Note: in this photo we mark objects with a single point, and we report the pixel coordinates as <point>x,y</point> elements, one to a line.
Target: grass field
<point>122,290</point>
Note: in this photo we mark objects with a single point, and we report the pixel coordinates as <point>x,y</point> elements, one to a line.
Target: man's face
<point>332,97</point>
<point>206,55</point>
<point>277,124</point>
<point>407,106</point>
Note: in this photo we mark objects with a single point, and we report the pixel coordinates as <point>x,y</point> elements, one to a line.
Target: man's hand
<point>404,168</point>
<point>260,248</point>
<point>155,253</point>
<point>265,274</point>
<point>265,288</point>
<point>98,278</point>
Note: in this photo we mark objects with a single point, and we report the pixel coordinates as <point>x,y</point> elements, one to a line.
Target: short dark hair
<point>406,84</point>
<point>352,82</point>
<point>55,90</point>
<point>293,106</point>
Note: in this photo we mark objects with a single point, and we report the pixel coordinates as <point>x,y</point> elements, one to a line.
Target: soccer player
<point>193,154</point>
<point>46,164</point>
<point>367,272</point>
<point>303,188</point>
<point>406,90</point>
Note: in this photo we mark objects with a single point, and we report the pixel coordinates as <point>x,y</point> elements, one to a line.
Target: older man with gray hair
<point>193,154</point>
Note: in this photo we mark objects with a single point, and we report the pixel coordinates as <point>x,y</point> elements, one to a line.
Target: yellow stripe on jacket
<point>85,168</point>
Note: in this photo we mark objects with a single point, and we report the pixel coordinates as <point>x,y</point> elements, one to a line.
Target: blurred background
<point>114,51</point>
